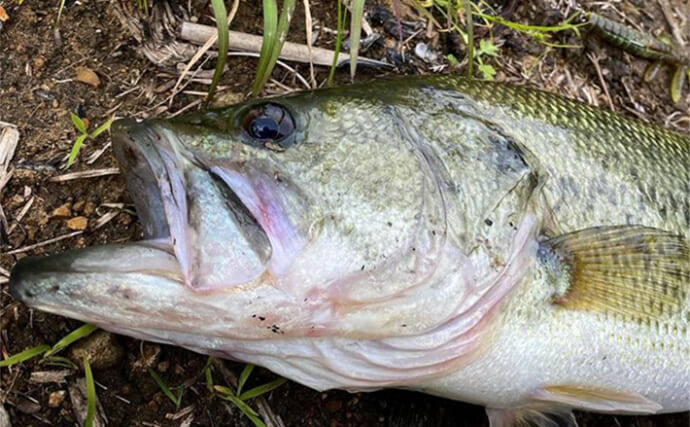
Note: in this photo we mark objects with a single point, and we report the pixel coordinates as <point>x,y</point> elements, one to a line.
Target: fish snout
<point>28,277</point>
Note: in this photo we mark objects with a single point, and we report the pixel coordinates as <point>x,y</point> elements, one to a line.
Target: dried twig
<point>675,29</point>
<point>97,154</point>
<point>43,243</point>
<point>21,215</point>
<point>9,137</point>
<point>44,377</point>
<point>203,49</point>
<point>85,174</point>
<point>595,61</point>
<point>308,29</point>
<point>77,395</point>
<point>296,52</point>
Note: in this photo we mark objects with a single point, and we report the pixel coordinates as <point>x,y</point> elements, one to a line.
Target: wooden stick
<point>199,34</point>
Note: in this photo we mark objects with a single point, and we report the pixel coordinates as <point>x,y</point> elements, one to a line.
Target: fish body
<point>473,240</point>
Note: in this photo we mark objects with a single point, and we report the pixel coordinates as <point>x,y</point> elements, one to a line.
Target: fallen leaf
<point>88,76</point>
<point>3,14</point>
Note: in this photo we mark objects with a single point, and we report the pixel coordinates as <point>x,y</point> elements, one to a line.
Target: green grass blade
<point>60,9</point>
<point>62,362</point>
<point>242,406</point>
<point>220,14</point>
<point>24,355</point>
<point>208,374</point>
<point>244,376</point>
<point>262,389</point>
<point>180,393</point>
<point>281,34</point>
<point>269,38</point>
<point>355,34</point>
<point>165,389</point>
<point>75,149</point>
<point>276,45</point>
<point>90,394</point>
<point>78,122</point>
<point>338,41</point>
<point>527,29</point>
<point>102,128</point>
<point>223,390</point>
<point>423,10</point>
<point>77,334</point>
<point>470,38</point>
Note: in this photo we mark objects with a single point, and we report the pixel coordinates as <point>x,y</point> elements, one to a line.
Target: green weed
<point>25,355</point>
<point>239,397</point>
<point>90,394</point>
<point>83,135</point>
<point>48,353</point>
<point>176,399</point>
<point>220,14</point>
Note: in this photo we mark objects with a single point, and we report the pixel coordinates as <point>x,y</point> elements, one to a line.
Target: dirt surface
<point>39,63</point>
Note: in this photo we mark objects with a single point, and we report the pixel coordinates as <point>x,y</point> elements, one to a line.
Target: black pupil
<point>265,127</point>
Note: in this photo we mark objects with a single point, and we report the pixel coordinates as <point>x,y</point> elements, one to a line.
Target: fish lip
<point>18,276</point>
<point>140,163</point>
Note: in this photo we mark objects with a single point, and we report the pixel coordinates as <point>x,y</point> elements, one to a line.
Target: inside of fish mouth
<point>139,153</point>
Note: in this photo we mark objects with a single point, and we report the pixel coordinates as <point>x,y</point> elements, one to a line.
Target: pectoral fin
<point>597,400</point>
<point>640,273</point>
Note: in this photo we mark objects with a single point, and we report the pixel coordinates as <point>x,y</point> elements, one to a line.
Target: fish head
<point>299,209</point>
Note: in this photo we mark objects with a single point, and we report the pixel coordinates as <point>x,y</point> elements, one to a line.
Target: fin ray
<point>597,400</point>
<point>638,272</point>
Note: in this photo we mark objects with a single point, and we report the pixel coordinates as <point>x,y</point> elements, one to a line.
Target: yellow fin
<point>638,272</point>
<point>597,400</point>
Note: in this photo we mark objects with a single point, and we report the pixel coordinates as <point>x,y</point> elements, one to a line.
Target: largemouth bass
<point>473,240</point>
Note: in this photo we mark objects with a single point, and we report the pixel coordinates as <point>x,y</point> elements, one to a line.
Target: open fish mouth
<point>204,215</point>
<point>200,229</point>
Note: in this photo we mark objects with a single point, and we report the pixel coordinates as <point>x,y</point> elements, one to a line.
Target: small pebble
<point>334,406</point>
<point>56,398</point>
<point>179,370</point>
<point>78,223</point>
<point>424,52</point>
<point>26,406</point>
<point>88,76</point>
<point>101,349</point>
<point>89,208</point>
<point>78,206</point>
<point>163,366</point>
<point>39,62</point>
<point>124,218</point>
<point>63,211</point>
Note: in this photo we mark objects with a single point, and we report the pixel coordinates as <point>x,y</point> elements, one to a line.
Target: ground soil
<point>39,59</point>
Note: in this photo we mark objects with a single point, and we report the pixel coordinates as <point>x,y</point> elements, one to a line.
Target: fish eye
<point>269,126</point>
